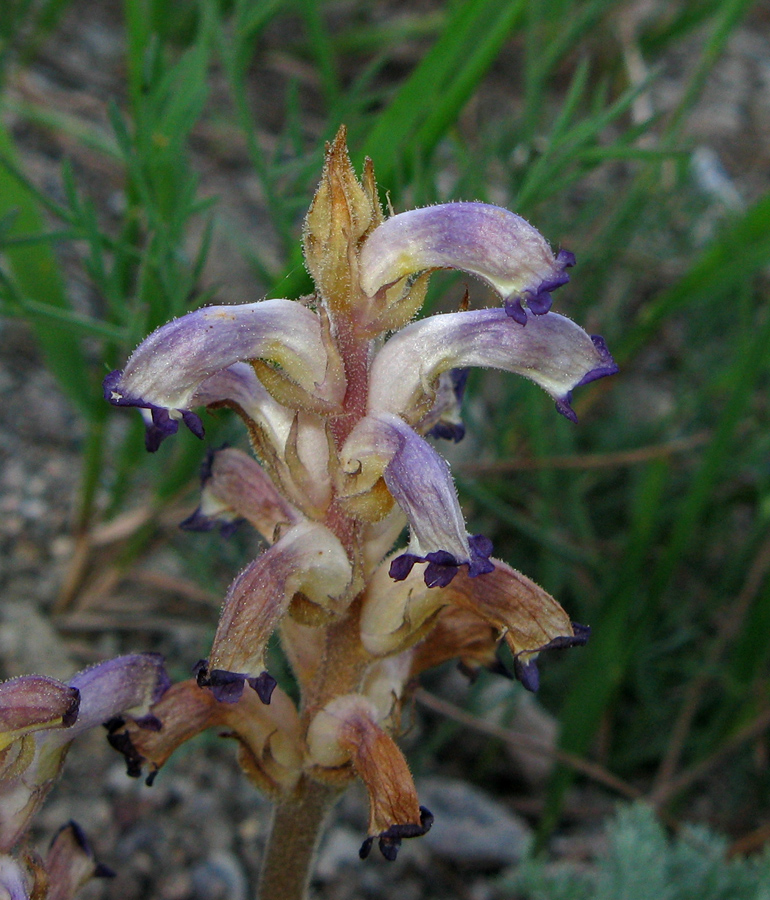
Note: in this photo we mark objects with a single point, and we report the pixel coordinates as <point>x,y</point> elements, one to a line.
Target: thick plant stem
<point>295,831</point>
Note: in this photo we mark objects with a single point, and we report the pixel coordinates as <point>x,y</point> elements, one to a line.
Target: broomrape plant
<point>339,392</point>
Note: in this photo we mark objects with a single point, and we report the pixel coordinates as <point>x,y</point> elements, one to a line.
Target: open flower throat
<point>340,392</point>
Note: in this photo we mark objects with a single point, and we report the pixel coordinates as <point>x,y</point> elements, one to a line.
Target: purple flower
<point>419,479</point>
<point>341,394</point>
<point>552,351</point>
<point>39,719</point>
<point>498,246</point>
<point>308,559</point>
<point>166,370</point>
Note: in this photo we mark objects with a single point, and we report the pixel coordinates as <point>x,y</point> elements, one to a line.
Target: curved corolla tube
<point>348,730</point>
<point>395,617</point>
<point>164,372</point>
<point>308,559</point>
<point>34,702</point>
<point>552,351</point>
<point>235,487</point>
<point>493,243</point>
<point>238,386</point>
<point>421,483</point>
<point>117,686</point>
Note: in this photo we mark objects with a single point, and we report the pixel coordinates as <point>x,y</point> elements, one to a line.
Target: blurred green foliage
<point>642,863</point>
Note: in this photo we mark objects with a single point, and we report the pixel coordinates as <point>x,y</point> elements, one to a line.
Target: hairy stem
<point>295,831</point>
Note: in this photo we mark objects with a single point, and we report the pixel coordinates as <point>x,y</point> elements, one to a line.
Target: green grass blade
<point>440,84</point>
<point>602,663</point>
<point>731,260</point>
<point>322,48</point>
<point>465,82</point>
<point>37,276</point>
<point>622,630</point>
<point>73,323</point>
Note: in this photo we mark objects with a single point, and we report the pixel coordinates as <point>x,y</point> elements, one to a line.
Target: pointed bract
<point>342,212</point>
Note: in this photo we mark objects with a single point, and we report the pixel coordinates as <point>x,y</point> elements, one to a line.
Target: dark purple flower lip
<point>121,741</point>
<point>448,431</point>
<point>199,521</point>
<point>390,839</point>
<point>578,639</point>
<point>527,672</point>
<point>539,298</point>
<point>227,687</point>
<point>207,466</point>
<point>608,367</point>
<point>100,870</point>
<point>162,424</point>
<point>443,565</point>
<point>71,715</point>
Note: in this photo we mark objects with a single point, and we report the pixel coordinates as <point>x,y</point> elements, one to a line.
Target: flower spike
<point>341,393</point>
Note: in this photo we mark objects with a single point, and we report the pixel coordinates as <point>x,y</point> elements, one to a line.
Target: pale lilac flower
<point>39,719</point>
<point>497,245</point>
<point>420,481</point>
<point>170,365</point>
<point>552,351</point>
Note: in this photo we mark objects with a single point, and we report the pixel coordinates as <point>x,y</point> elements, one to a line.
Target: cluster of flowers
<point>339,392</point>
<point>39,719</point>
